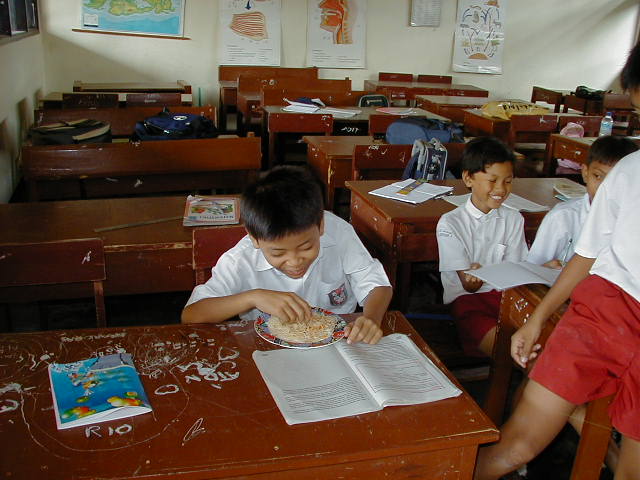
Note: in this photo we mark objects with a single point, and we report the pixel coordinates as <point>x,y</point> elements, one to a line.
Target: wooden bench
<point>122,120</point>
<point>179,86</point>
<point>115,169</point>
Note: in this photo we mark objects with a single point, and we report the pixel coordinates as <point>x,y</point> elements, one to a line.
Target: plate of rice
<point>323,329</point>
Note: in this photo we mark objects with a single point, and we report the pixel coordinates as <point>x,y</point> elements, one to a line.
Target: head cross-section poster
<point>336,33</point>
<point>479,37</point>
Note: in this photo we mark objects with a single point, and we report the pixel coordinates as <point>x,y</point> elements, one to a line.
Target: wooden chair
<point>548,96</point>
<point>435,79</point>
<point>294,124</point>
<point>153,99</point>
<point>395,77</point>
<point>209,244</point>
<point>57,262</point>
<point>590,123</point>
<point>619,104</point>
<point>378,162</point>
<point>530,132</point>
<point>89,100</point>
<point>116,169</point>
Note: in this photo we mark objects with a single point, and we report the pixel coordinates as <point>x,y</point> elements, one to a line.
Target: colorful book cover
<point>210,210</point>
<point>96,390</point>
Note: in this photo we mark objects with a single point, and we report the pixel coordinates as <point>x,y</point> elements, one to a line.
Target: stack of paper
<point>511,274</point>
<point>395,110</point>
<point>303,107</point>
<point>567,189</point>
<point>513,201</point>
<point>412,191</point>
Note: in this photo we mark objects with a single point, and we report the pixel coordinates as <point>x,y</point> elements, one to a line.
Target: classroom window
<point>18,18</point>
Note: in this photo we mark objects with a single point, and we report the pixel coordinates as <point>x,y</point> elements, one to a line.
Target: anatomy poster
<point>479,37</point>
<point>249,32</point>
<point>336,33</point>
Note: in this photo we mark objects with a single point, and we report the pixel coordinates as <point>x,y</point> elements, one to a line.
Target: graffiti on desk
<point>195,430</point>
<point>101,430</point>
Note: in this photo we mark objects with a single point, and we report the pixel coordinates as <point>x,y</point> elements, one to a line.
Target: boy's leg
<point>487,342</point>
<point>538,418</point>
<point>629,461</point>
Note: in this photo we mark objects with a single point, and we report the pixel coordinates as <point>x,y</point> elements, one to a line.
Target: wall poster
<point>479,36</point>
<point>249,32</point>
<point>336,33</point>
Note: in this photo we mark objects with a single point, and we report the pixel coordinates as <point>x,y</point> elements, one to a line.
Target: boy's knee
<point>520,453</point>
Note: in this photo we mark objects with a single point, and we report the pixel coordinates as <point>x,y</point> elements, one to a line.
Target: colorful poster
<point>479,37</point>
<point>249,32</point>
<point>336,33</point>
<point>134,16</point>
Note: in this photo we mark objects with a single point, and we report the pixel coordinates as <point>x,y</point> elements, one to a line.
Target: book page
<point>313,385</point>
<point>513,201</point>
<point>397,372</point>
<point>511,274</point>
<point>421,193</point>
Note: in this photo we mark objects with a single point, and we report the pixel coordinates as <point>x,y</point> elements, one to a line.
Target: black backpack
<point>75,131</point>
<point>174,126</point>
<point>589,93</point>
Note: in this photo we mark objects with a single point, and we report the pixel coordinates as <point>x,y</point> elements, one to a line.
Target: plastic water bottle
<point>606,125</point>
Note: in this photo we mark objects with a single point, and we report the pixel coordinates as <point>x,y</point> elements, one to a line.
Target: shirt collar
<point>479,214</point>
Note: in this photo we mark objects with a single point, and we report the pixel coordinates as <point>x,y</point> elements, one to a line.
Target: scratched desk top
<point>213,416</point>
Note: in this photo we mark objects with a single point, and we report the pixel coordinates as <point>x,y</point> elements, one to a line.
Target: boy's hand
<point>287,306</point>
<point>523,346</point>
<point>555,263</point>
<point>363,330</point>
<point>472,283</point>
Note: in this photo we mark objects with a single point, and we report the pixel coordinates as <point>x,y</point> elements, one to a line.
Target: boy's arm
<point>286,305</point>
<point>523,347</point>
<point>367,328</point>
<point>469,282</point>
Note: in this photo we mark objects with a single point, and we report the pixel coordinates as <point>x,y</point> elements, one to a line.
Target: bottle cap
<point>608,114</point>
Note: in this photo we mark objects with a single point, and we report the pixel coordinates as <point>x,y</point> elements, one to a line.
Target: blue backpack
<point>406,130</point>
<point>174,126</point>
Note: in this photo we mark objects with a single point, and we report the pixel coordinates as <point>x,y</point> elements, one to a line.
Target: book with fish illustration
<point>210,210</point>
<point>96,390</point>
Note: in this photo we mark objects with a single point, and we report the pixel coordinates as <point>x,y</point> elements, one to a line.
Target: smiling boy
<point>480,232</point>
<point>295,256</point>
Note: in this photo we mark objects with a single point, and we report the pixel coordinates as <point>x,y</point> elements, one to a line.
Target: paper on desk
<point>339,112</point>
<point>300,107</point>
<point>422,193</point>
<point>395,110</point>
<point>516,202</point>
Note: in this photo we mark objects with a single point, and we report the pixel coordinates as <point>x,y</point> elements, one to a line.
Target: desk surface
<point>213,416</point>
<point>363,116</point>
<point>452,100</point>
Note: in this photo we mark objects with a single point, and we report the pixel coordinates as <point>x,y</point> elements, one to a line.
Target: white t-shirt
<point>559,231</point>
<point>611,233</point>
<point>338,280</point>
<point>466,236</point>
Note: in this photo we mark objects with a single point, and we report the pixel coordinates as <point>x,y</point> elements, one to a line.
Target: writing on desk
<point>98,336</point>
<point>350,129</point>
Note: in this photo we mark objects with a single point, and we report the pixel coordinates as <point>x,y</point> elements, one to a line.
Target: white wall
<point>557,44</point>
<point>21,79</point>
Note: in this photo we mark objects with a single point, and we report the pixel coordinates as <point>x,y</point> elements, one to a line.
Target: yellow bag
<point>505,108</point>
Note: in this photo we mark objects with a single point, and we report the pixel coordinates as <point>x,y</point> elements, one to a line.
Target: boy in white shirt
<point>480,232</point>
<point>561,227</point>
<point>594,349</point>
<point>295,256</point>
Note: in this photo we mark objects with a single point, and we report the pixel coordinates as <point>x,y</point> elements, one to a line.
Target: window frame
<point>18,19</point>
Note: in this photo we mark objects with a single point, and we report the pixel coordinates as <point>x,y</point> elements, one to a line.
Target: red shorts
<point>475,314</point>
<point>594,351</point>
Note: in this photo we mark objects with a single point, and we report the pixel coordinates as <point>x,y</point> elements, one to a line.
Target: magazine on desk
<point>350,379</point>
<point>412,191</point>
<point>511,274</point>
<point>96,390</point>
<point>210,210</point>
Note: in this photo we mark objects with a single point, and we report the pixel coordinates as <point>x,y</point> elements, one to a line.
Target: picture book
<point>210,210</point>
<point>344,379</point>
<point>96,390</point>
<point>511,274</point>
<point>412,191</point>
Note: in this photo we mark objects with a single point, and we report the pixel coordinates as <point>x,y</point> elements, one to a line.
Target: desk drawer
<point>371,225</point>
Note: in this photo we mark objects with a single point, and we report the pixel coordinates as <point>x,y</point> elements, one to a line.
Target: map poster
<point>479,37</point>
<point>249,32</point>
<point>137,17</point>
<point>336,33</point>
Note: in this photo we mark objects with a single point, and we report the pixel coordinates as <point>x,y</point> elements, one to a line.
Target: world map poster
<point>138,17</point>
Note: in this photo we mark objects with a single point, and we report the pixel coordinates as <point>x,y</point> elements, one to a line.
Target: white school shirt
<point>611,233</point>
<point>559,231</point>
<point>338,280</point>
<point>466,235</point>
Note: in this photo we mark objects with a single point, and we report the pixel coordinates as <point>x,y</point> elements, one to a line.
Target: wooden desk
<point>213,416</point>
<point>452,107</point>
<point>53,100</point>
<point>550,96</point>
<point>400,233</point>
<point>179,87</point>
<point>478,124</point>
<point>140,259</point>
<point>408,90</point>
<point>330,158</point>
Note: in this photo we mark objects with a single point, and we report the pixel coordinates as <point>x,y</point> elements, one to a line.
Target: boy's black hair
<point>609,149</point>
<point>481,152</point>
<point>630,75</point>
<point>282,201</point>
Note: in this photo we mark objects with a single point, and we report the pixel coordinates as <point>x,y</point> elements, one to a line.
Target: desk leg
<point>240,124</point>
<point>273,149</point>
<point>594,441</point>
<point>222,115</point>
<point>547,167</point>
<point>501,365</point>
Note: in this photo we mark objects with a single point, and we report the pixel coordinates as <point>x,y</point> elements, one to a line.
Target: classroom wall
<point>21,79</point>
<point>549,43</point>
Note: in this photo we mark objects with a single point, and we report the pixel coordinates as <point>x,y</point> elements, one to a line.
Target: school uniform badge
<point>338,296</point>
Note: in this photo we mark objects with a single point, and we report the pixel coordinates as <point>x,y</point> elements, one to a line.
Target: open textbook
<point>343,380</point>
<point>511,274</point>
<point>412,191</point>
<point>513,201</point>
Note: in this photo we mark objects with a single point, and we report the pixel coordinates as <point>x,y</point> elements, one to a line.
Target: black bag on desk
<point>589,93</point>
<point>76,131</point>
<point>174,126</point>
